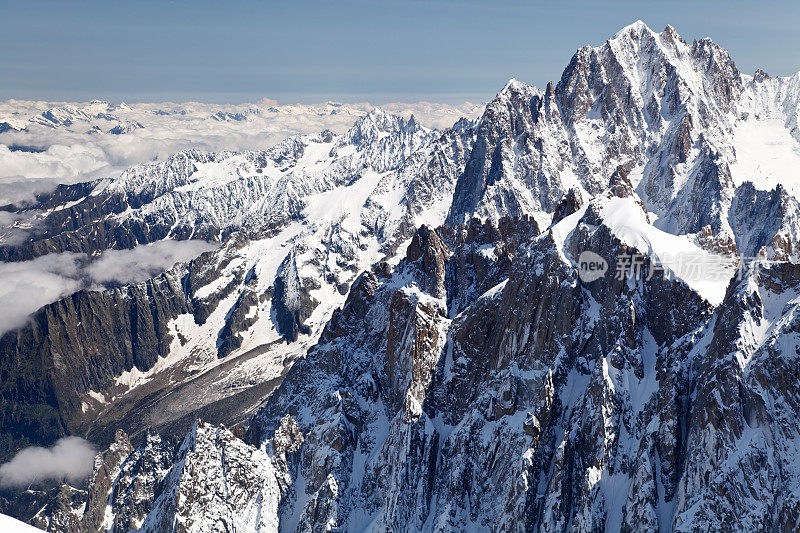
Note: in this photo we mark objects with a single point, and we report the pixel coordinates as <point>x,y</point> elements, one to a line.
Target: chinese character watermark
<point>688,266</point>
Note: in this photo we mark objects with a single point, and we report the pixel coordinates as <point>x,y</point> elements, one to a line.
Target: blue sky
<point>311,51</point>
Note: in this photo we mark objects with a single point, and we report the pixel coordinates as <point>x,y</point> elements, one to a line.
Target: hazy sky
<point>378,51</point>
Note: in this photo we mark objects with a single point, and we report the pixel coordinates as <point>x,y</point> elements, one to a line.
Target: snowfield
<point>12,525</point>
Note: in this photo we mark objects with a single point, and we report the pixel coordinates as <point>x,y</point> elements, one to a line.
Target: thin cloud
<point>27,286</point>
<point>143,262</point>
<point>70,458</point>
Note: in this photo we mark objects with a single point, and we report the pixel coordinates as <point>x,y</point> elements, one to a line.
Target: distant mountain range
<point>43,144</point>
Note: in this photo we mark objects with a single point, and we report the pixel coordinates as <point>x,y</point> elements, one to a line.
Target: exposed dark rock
<point>291,303</point>
<point>570,203</point>
<point>77,345</point>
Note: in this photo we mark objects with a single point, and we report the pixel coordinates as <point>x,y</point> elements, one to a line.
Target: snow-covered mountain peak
<point>382,140</point>
<point>513,85</point>
<point>378,124</point>
<point>637,27</point>
<point>513,92</point>
<point>677,117</point>
<point>653,61</point>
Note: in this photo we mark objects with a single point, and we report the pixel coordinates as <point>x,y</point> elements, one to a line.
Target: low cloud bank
<point>70,458</point>
<point>27,286</point>
<point>143,262</point>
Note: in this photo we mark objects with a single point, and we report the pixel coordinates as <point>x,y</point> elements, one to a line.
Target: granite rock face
<point>209,481</point>
<point>541,403</point>
<point>79,345</point>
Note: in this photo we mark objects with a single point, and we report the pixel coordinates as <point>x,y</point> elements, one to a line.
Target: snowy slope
<point>12,525</point>
<point>707,273</point>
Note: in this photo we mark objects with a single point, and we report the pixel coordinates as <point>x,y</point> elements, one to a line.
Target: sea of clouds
<point>47,143</point>
<point>43,144</point>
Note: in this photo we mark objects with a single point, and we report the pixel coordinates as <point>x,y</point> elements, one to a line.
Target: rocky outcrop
<point>291,302</point>
<point>210,481</point>
<point>740,426</point>
<point>408,403</point>
<point>766,223</point>
<point>58,515</point>
<point>80,344</point>
<point>570,203</point>
<point>240,319</point>
<point>482,256</point>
